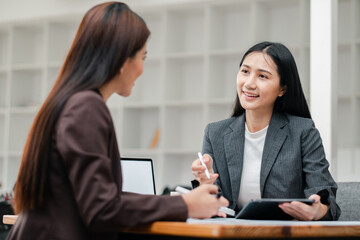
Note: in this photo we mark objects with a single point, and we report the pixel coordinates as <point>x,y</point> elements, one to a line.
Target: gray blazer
<point>293,163</point>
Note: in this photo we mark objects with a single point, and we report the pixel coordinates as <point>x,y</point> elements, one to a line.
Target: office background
<point>189,77</point>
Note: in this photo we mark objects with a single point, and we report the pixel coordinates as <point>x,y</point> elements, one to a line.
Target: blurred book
<point>155,140</point>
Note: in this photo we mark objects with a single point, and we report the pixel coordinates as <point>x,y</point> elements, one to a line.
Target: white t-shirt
<point>250,177</point>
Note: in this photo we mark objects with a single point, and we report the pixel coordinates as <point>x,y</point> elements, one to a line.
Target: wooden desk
<point>250,230</point>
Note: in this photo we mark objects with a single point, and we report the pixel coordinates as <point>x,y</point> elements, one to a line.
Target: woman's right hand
<point>202,203</point>
<point>198,170</point>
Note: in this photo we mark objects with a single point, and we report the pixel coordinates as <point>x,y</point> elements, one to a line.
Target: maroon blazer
<point>84,197</point>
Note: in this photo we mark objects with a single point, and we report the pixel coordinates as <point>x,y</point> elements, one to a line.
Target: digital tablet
<point>267,209</point>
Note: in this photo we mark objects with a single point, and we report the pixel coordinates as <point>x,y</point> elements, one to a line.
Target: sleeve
<point>83,139</point>
<point>316,171</point>
<point>207,148</point>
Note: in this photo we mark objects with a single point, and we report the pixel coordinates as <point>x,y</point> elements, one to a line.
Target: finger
<point>223,202</point>
<point>214,176</point>
<point>315,197</point>
<point>206,181</point>
<point>221,214</point>
<point>293,212</point>
<point>302,211</point>
<point>197,167</point>
<point>211,188</point>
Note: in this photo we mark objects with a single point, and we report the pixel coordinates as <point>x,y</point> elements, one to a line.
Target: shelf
<point>346,168</point>
<point>4,47</point>
<point>177,151</point>
<point>52,74</point>
<point>184,79</point>
<point>2,133</point>
<point>2,180</point>
<point>356,66</point>
<point>137,105</point>
<point>26,88</point>
<point>155,42</point>
<point>222,76</point>
<point>274,28</point>
<point>184,104</point>
<point>356,22</point>
<point>185,31</point>
<point>25,110</point>
<point>61,35</point>
<point>19,128</point>
<point>344,130</point>
<point>235,52</point>
<point>302,59</point>
<point>219,112</point>
<point>226,22</point>
<point>140,128</point>
<point>27,66</point>
<point>3,87</point>
<point>28,47</point>
<point>183,127</point>
<point>139,152</point>
<point>12,173</point>
<point>114,101</point>
<point>184,56</point>
<point>147,87</point>
<point>344,71</point>
<point>173,163</point>
<point>357,127</point>
<point>345,19</point>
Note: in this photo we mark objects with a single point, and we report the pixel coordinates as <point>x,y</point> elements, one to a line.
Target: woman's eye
<point>262,76</point>
<point>244,71</point>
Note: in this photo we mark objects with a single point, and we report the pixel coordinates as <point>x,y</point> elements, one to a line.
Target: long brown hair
<point>108,35</point>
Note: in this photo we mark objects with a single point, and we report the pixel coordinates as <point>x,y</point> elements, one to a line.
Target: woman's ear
<point>282,91</point>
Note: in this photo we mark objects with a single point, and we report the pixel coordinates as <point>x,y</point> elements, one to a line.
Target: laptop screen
<point>138,175</point>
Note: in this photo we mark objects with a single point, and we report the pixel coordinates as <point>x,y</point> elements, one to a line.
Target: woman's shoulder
<point>222,125</point>
<point>86,102</point>
<point>300,123</point>
<point>85,96</point>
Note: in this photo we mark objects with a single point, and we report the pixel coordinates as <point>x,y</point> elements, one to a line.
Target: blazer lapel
<point>234,151</point>
<point>275,138</point>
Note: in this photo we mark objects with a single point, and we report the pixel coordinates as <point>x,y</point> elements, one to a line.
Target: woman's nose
<point>250,82</point>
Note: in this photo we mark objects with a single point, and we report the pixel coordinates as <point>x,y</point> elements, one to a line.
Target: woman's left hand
<point>304,212</point>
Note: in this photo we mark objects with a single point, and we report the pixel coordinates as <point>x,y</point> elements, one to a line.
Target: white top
<point>250,177</point>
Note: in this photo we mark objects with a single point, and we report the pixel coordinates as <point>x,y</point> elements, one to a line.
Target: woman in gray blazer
<point>270,147</point>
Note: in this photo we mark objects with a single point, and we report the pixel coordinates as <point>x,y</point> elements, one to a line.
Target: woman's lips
<point>251,95</point>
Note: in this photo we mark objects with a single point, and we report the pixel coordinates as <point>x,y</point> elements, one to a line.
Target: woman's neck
<point>106,90</point>
<point>257,120</point>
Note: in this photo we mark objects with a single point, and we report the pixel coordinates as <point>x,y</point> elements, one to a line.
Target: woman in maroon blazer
<point>69,183</point>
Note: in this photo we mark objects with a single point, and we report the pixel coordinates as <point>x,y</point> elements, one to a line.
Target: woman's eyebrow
<point>260,69</point>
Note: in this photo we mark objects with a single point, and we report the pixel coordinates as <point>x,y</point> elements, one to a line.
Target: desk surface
<point>249,230</point>
<point>242,229</point>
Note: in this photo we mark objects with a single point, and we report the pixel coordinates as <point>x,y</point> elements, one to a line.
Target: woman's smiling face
<point>258,83</point>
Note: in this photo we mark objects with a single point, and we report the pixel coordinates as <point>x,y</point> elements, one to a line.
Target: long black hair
<point>108,35</point>
<point>293,101</point>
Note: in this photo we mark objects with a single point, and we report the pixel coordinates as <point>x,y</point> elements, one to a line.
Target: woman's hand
<point>304,212</point>
<point>202,203</point>
<point>198,170</point>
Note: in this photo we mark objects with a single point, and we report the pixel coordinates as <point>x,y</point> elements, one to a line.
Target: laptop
<point>138,175</point>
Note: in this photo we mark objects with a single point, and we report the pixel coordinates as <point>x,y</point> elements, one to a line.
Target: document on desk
<point>234,221</point>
